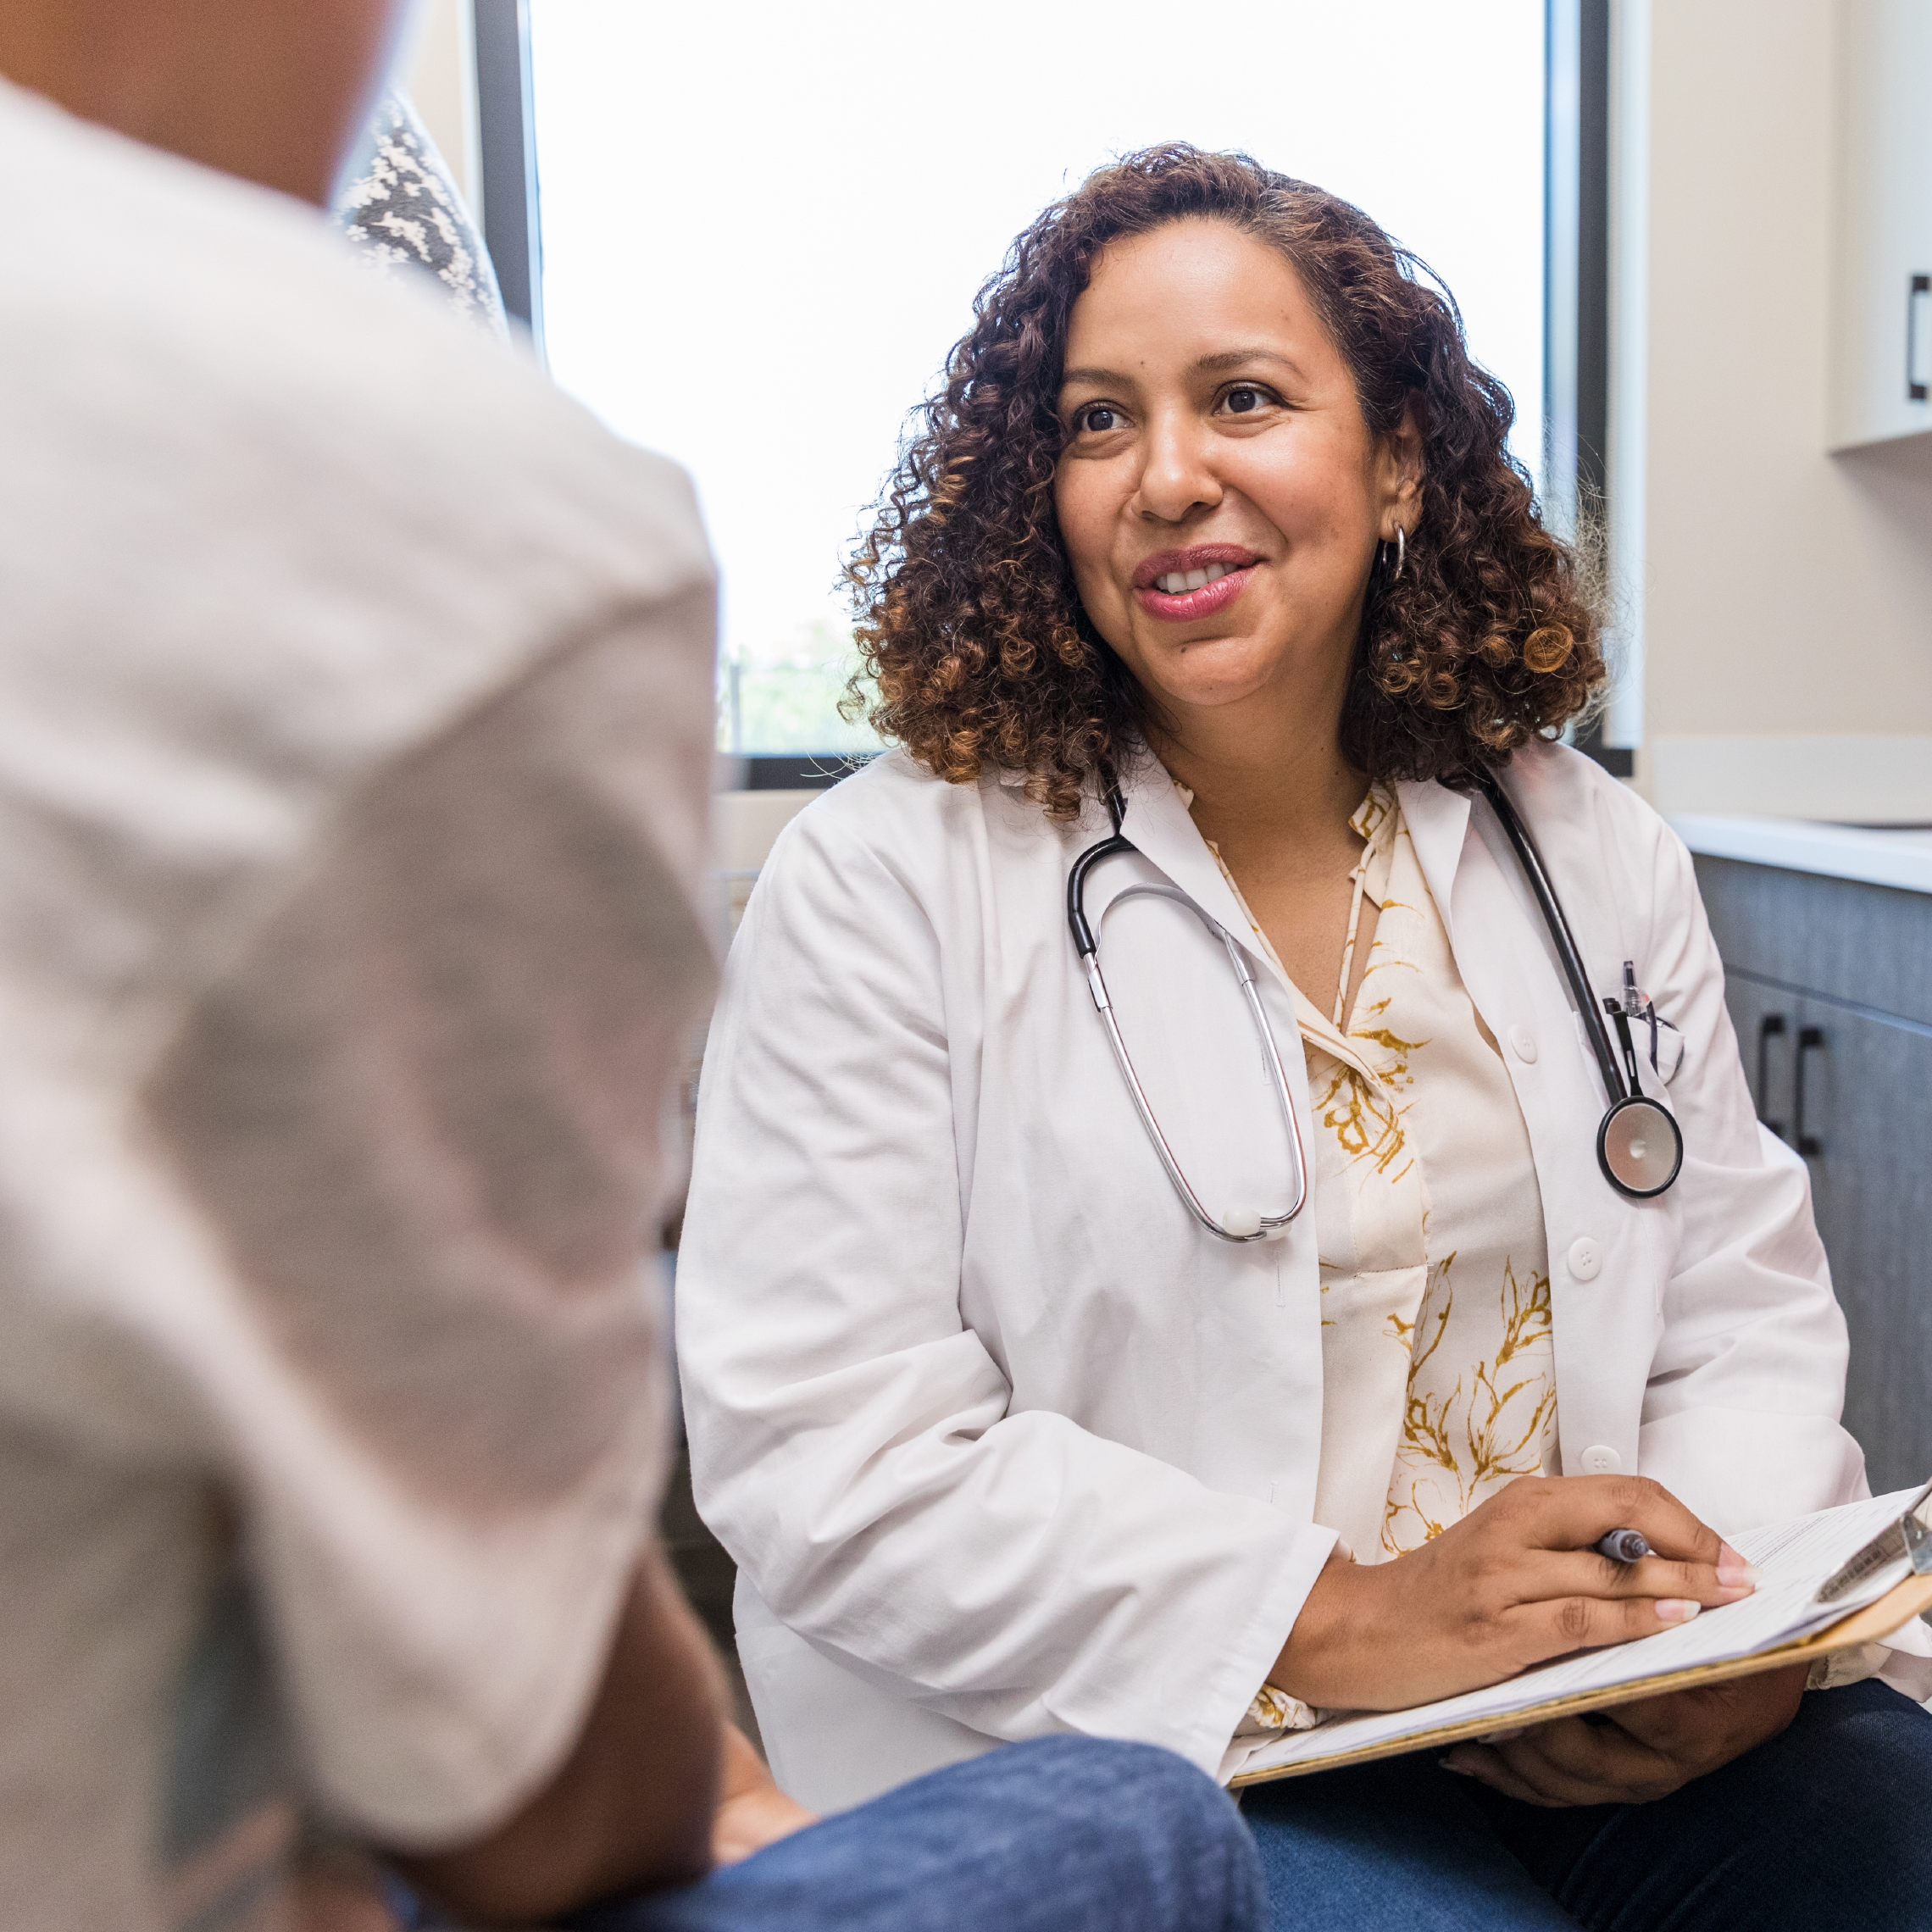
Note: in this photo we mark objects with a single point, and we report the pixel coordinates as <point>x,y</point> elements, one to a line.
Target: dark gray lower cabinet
<point>1869,1110</point>
<point>1829,986</point>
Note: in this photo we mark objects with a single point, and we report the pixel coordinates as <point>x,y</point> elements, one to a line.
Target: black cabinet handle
<point>1770,1028</point>
<point>1811,1039</point>
<point>1915,390</point>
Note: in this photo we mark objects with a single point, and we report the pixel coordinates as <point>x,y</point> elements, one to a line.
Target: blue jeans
<point>1067,1835</point>
<point>1828,1826</point>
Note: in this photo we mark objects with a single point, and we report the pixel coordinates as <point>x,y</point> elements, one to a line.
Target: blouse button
<point>1600,1459</point>
<point>1524,1041</point>
<point>1585,1258</point>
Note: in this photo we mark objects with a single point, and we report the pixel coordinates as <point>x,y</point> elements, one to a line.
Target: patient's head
<point>1194,367</point>
<point>271,90</point>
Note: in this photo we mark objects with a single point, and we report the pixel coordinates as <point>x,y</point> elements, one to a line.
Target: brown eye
<point>1242,402</point>
<point>1098,418</point>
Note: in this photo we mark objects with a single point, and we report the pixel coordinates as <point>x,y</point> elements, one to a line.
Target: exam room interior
<point>1720,217</point>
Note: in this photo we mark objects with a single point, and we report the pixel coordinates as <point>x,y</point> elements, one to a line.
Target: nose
<point>1176,476</point>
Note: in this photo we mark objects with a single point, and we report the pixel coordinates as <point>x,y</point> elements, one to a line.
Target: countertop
<point>1900,857</point>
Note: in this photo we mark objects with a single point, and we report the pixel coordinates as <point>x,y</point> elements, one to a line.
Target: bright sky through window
<point>762,229</point>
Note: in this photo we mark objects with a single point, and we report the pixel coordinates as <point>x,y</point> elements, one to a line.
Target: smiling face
<point>1219,495</point>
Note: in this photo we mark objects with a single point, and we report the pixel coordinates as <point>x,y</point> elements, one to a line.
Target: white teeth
<point>1178,583</point>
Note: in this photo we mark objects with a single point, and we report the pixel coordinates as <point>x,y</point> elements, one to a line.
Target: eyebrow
<point>1208,366</point>
<point>1233,358</point>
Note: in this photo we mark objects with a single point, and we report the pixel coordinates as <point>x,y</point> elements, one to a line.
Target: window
<point>761,231</point>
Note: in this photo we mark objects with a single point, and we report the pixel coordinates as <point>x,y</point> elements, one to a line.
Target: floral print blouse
<point>1438,1366</point>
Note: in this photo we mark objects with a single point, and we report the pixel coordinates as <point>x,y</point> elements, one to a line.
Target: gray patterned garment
<point>401,208</point>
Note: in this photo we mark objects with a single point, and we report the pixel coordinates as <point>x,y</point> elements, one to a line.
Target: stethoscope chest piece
<point>1639,1147</point>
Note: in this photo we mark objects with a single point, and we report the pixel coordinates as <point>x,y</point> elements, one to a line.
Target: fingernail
<point>1500,1736</point>
<point>1677,1609</point>
<point>1739,1575</point>
<point>1449,1764</point>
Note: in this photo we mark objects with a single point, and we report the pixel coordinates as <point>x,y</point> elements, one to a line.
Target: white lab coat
<point>1002,1443</point>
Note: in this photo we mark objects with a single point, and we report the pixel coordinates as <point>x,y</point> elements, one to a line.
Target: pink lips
<point>1189,607</point>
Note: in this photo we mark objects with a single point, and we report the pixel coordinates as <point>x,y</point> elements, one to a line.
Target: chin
<point>1213,674</point>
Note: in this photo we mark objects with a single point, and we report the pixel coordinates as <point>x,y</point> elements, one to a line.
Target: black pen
<point>1624,1547</point>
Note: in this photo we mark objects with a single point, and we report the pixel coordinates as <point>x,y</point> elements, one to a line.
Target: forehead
<point>1190,290</point>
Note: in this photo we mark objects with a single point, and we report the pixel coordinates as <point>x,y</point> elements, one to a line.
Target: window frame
<point>1576,291</point>
<point>506,122</point>
<point>1576,278</point>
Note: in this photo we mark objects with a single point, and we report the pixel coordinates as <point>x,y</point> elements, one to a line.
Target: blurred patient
<point>355,714</point>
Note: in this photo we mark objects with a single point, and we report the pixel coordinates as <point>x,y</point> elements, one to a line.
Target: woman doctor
<point>1212,527</point>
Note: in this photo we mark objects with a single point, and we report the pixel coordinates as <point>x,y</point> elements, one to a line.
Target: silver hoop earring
<point>1402,554</point>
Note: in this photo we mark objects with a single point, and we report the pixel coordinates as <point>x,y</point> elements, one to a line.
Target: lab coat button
<point>1600,1459</point>
<point>1585,1258</point>
<point>1523,1043</point>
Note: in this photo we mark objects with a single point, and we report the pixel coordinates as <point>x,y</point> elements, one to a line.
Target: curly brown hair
<point>970,630</point>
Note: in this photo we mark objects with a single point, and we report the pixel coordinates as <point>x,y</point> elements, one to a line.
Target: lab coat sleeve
<point>1741,1414</point>
<point>854,1443</point>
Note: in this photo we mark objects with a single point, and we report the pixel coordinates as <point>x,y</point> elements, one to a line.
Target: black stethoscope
<point>1639,1146</point>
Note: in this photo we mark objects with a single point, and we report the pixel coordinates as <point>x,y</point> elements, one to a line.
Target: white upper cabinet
<point>1881,348</point>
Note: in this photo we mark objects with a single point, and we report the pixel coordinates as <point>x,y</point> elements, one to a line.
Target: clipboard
<point>1872,1624</point>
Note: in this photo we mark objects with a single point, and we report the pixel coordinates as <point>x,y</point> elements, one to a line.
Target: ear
<point>1400,472</point>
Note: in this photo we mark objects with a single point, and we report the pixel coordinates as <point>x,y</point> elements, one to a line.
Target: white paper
<point>1797,1558</point>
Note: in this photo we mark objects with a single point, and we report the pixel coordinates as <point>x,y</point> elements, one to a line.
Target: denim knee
<point>1194,1852</point>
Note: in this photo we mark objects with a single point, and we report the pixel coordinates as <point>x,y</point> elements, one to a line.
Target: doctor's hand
<point>1514,1584</point>
<point>1637,1752</point>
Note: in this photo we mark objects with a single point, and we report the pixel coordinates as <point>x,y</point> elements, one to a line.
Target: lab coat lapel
<point>1438,821</point>
<point>1164,833</point>
<point>1494,930</point>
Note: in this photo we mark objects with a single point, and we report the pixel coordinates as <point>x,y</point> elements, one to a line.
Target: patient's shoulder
<point>199,375</point>
<point>324,515</point>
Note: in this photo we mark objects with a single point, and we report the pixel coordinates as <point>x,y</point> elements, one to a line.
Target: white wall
<point>1785,595</point>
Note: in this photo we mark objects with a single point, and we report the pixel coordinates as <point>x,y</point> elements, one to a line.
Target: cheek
<point>1318,499</point>
<point>1086,527</point>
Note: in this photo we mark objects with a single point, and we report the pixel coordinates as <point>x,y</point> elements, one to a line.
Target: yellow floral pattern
<point>1438,1361</point>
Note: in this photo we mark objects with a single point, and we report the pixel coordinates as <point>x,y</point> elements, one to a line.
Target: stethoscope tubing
<point>1568,956</point>
<point>1271,1068</point>
<point>1086,944</point>
<point>1625,1093</point>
